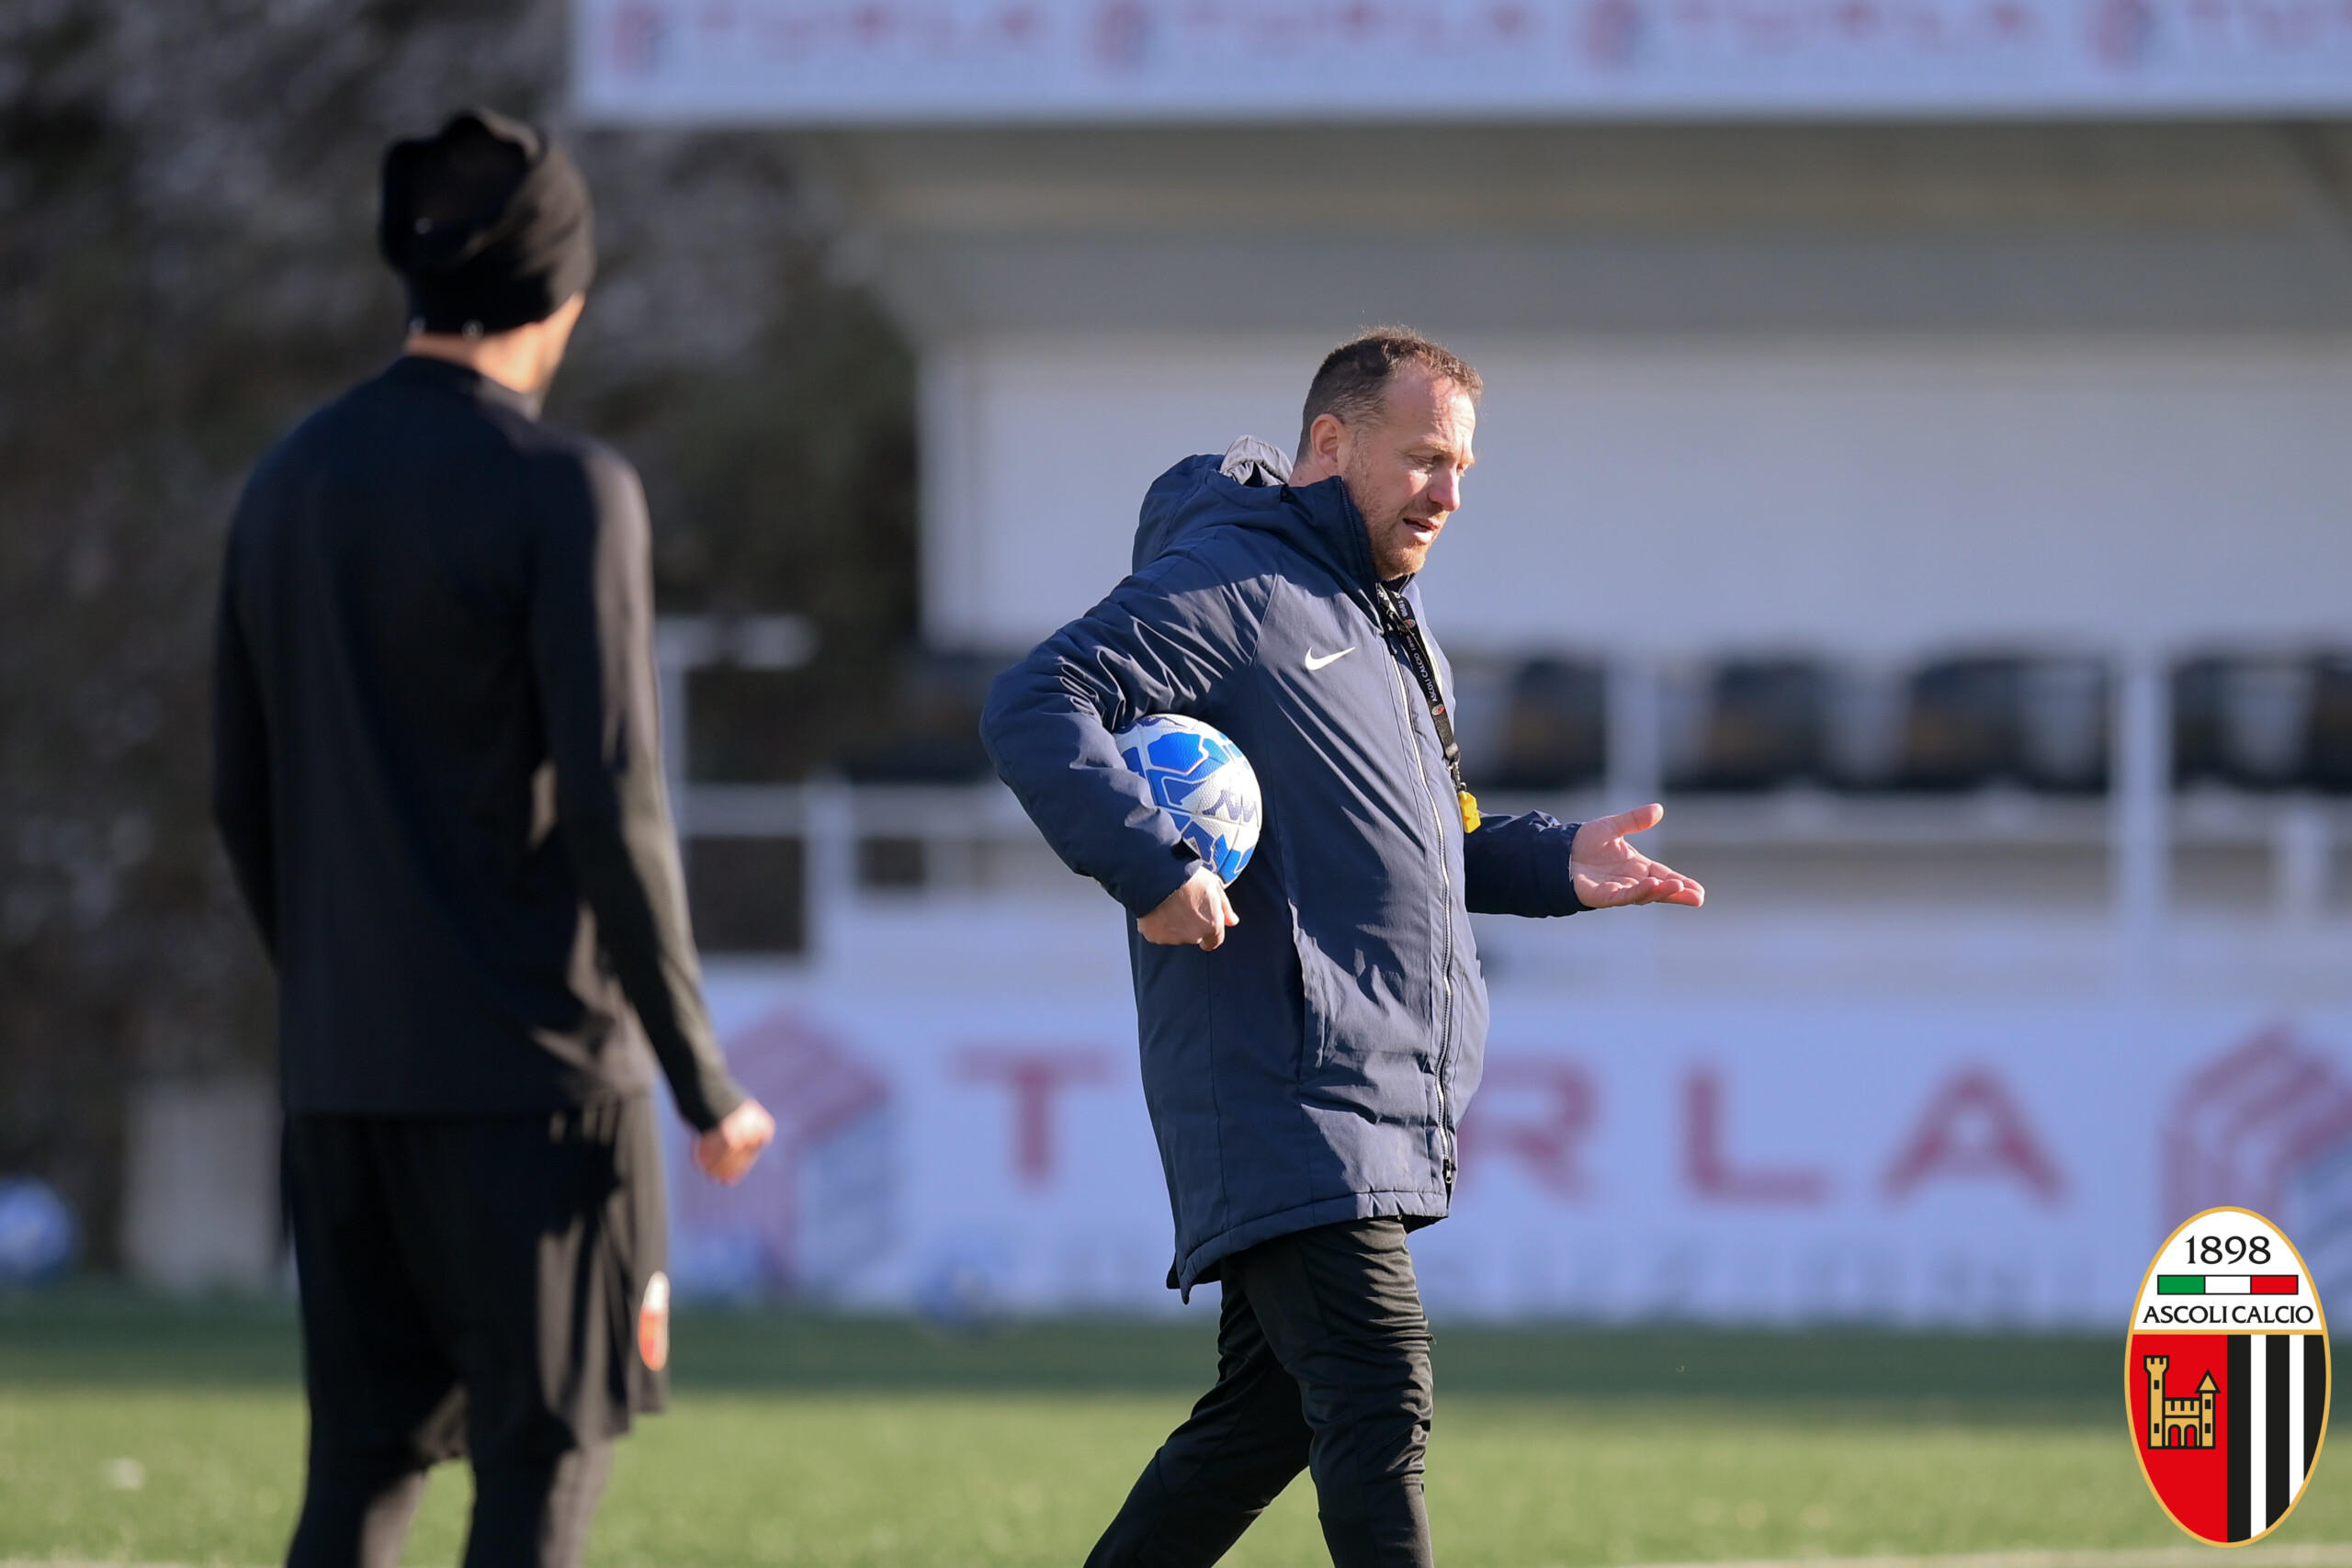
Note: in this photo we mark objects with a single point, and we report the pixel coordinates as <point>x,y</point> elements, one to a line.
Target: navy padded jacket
<point>1314,1069</point>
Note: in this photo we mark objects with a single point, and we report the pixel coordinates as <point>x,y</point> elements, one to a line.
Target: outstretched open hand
<point>1611,873</point>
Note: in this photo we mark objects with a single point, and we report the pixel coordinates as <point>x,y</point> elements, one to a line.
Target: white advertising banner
<point>861,61</point>
<point>1758,1164</point>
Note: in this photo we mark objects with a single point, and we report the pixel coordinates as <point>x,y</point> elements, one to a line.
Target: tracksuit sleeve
<point>241,798</point>
<point>1166,640</point>
<point>1519,865</point>
<point>591,647</point>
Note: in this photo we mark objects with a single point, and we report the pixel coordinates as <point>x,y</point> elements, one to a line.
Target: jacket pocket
<point>1355,1029</point>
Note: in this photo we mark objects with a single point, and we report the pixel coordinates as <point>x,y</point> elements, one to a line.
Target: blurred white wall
<point>1872,496</point>
<point>1864,388</point>
<point>200,1201</point>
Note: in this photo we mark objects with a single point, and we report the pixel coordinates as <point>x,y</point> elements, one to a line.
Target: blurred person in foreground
<point>1311,1033</point>
<point>438,773</point>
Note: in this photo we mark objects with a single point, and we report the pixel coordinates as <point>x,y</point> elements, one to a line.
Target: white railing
<point>2281,850</point>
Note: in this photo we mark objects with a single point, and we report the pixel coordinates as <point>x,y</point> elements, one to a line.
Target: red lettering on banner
<point>1034,1077</point>
<point>1972,1130</point>
<point>1547,1138</point>
<point>1710,1171</point>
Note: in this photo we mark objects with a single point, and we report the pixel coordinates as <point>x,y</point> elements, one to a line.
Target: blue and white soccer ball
<point>1201,779</point>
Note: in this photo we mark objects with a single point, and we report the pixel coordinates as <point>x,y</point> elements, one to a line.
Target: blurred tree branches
<point>187,266</point>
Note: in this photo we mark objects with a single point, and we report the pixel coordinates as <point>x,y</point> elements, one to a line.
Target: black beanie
<point>489,222</point>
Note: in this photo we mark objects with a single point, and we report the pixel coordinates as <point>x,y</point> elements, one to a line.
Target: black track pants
<point>469,1287</point>
<point>535,1513</point>
<point>1323,1364</point>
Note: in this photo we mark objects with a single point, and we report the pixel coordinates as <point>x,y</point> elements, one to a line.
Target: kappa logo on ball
<point>2228,1376</point>
<point>653,1323</point>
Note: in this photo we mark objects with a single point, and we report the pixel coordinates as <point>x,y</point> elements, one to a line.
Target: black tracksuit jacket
<point>437,762</point>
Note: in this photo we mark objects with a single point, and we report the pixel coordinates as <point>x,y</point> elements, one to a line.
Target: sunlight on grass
<point>1028,1478</point>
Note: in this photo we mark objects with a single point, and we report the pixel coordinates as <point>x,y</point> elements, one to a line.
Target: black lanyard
<point>1396,620</point>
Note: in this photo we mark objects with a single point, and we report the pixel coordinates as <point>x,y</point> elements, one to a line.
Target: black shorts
<point>474,1286</point>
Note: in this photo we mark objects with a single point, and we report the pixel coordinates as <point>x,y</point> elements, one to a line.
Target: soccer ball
<point>1202,780</point>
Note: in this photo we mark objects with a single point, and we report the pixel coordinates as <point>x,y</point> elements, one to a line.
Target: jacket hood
<point>1319,519</point>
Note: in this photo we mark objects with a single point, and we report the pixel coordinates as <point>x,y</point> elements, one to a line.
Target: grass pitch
<point>135,1432</point>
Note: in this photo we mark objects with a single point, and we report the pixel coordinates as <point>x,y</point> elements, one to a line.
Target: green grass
<point>796,1440</point>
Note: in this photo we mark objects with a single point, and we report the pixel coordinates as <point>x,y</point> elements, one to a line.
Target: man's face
<point>1405,471</point>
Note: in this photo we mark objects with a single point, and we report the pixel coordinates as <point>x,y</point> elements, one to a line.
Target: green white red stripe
<point>2227,1285</point>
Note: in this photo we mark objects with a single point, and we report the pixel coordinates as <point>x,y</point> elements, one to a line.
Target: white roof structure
<point>1870,327</point>
<point>927,62</point>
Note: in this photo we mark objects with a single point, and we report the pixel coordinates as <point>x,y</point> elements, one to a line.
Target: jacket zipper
<point>1445,911</point>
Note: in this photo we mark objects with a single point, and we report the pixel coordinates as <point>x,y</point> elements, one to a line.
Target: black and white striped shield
<point>2227,1376</point>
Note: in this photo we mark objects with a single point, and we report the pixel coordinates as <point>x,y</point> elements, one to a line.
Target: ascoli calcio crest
<point>2228,1377</point>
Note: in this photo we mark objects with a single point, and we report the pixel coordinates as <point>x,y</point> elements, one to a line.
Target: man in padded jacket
<point>1311,1034</point>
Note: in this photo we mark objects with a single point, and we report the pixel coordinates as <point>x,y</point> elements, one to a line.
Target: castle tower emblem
<point>2226,1380</point>
<point>2179,1423</point>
